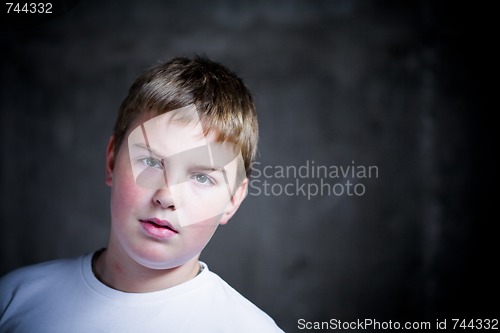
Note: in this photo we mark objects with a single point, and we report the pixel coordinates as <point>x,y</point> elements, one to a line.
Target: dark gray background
<point>396,84</point>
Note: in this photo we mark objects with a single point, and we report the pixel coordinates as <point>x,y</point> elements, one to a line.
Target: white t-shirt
<point>64,296</point>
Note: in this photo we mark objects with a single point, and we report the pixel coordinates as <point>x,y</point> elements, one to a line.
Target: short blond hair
<point>224,103</point>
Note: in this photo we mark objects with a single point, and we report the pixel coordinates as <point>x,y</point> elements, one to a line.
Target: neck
<point>129,276</point>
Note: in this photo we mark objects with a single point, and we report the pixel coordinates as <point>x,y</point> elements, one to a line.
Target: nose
<point>163,198</point>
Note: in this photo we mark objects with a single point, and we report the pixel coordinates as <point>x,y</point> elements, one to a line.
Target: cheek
<point>200,233</point>
<point>196,204</point>
<point>125,196</point>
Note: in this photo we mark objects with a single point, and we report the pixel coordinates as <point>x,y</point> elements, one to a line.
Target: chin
<point>160,261</point>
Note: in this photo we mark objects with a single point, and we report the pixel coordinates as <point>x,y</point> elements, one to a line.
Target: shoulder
<point>233,310</point>
<point>34,272</point>
<point>33,278</point>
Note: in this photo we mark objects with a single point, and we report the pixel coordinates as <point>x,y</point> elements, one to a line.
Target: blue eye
<point>202,179</point>
<point>152,162</point>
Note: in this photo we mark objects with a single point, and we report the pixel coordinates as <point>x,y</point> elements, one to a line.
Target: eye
<point>152,162</point>
<point>203,179</point>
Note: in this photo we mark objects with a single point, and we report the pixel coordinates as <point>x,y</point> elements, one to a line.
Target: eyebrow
<point>151,150</point>
<point>205,168</point>
<point>148,147</point>
<point>200,167</point>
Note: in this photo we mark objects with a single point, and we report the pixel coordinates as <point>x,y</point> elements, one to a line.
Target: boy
<point>177,164</point>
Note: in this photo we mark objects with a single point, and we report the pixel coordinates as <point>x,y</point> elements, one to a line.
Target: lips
<point>160,224</point>
<point>158,229</point>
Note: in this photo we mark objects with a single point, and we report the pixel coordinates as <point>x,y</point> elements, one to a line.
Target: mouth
<point>161,224</point>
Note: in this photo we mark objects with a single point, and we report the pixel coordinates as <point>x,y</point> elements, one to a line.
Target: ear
<point>238,197</point>
<point>110,160</point>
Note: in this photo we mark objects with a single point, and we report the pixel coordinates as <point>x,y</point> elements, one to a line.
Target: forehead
<point>179,131</point>
<point>170,133</point>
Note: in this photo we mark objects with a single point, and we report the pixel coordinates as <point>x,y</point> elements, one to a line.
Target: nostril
<point>165,204</point>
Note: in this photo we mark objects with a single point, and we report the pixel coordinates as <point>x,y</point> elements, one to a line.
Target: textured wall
<point>341,83</point>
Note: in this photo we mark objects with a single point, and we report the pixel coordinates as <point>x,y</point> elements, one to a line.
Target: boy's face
<point>171,187</point>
